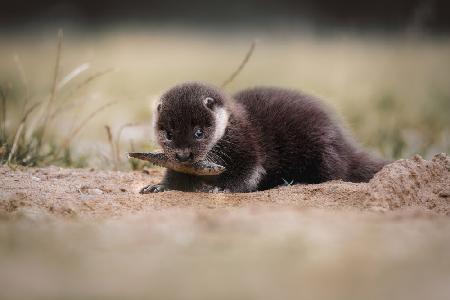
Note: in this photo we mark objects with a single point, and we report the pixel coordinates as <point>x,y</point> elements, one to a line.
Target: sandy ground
<point>84,233</point>
<point>414,183</point>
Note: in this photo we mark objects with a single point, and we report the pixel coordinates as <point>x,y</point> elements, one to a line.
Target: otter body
<point>264,137</point>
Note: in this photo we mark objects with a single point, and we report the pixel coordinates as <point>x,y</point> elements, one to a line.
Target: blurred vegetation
<point>31,143</point>
<point>392,92</point>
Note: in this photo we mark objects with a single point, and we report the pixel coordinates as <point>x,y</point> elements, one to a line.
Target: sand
<point>406,184</point>
<point>85,233</point>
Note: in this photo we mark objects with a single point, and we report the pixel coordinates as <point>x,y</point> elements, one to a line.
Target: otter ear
<point>158,108</point>
<point>209,102</point>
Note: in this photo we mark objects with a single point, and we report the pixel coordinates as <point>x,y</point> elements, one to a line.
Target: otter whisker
<point>220,155</point>
<point>216,158</point>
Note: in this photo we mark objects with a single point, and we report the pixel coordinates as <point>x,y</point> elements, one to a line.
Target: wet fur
<point>273,136</point>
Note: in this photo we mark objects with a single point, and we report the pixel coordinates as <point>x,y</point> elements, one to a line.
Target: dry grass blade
<point>111,143</point>
<point>3,96</point>
<point>73,74</point>
<point>81,125</point>
<point>54,84</point>
<point>119,136</point>
<point>16,140</point>
<point>89,80</point>
<point>23,77</point>
<point>85,82</point>
<point>20,129</point>
<point>241,66</point>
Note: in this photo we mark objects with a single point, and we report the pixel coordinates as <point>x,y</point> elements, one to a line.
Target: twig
<point>83,123</point>
<point>111,143</point>
<point>241,66</point>
<point>54,85</point>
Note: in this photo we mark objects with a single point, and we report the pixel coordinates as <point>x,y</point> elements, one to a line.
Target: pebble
<point>95,191</point>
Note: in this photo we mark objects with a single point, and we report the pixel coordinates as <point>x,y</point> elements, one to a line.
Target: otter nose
<point>183,155</point>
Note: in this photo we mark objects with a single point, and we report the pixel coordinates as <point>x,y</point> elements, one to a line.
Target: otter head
<point>190,119</point>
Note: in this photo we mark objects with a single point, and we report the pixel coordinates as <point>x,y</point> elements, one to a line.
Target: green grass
<point>392,92</point>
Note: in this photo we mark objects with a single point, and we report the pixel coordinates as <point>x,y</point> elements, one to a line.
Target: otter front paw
<point>153,188</point>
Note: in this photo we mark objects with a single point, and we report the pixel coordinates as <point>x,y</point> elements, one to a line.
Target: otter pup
<point>263,137</point>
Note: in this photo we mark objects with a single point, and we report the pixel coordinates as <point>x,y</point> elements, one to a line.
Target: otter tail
<point>364,166</point>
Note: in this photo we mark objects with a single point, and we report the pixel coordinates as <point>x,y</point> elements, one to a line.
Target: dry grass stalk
<point>20,129</point>
<point>73,74</point>
<point>78,87</point>
<point>81,125</point>
<point>23,77</point>
<point>119,136</point>
<point>113,150</point>
<point>54,85</point>
<point>93,77</point>
<point>3,96</point>
<point>241,66</point>
<point>87,81</point>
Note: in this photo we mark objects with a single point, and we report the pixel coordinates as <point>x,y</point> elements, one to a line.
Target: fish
<point>200,168</point>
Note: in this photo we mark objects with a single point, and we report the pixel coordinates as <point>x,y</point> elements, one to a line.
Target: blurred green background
<point>387,75</point>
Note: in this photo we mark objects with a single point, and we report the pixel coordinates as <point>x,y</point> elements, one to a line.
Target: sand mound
<point>405,184</point>
<point>413,183</point>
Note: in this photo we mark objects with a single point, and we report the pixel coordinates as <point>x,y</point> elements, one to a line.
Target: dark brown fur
<point>273,136</point>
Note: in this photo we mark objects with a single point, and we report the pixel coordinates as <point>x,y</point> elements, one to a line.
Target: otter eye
<point>169,135</point>
<point>198,134</point>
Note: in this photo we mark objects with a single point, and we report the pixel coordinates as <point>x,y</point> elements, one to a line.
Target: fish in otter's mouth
<point>201,168</point>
